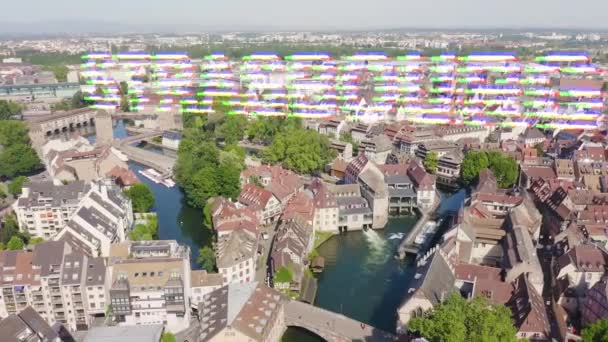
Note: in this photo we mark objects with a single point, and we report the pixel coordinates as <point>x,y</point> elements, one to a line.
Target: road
<point>545,256</point>
<point>263,268</point>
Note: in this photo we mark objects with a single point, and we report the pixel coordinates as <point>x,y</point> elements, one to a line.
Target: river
<point>362,279</point>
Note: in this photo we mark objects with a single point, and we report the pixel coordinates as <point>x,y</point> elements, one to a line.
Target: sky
<point>34,16</point>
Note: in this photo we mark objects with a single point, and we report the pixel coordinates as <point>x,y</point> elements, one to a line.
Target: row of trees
<point>504,167</point>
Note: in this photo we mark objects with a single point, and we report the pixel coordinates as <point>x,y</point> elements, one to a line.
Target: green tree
<point>287,148</point>
<point>283,275</point>
<point>8,109</point>
<point>168,337</point>
<point>10,228</point>
<point>18,159</point>
<point>206,258</point>
<point>2,193</point>
<point>232,129</point>
<point>15,243</point>
<point>36,240</point>
<point>60,71</point>
<point>472,164</point>
<point>147,231</point>
<point>15,186</point>
<point>78,100</point>
<point>13,132</point>
<point>596,332</point>
<point>207,219</point>
<point>457,320</point>
<point>141,196</point>
<point>504,167</point>
<point>430,162</point>
<point>255,179</point>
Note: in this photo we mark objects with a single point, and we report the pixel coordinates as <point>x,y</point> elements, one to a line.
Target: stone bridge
<point>331,326</point>
<point>160,162</point>
<point>62,122</point>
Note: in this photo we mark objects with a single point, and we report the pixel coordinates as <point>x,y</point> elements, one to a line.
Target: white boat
<point>396,236</point>
<point>157,178</point>
<point>151,174</point>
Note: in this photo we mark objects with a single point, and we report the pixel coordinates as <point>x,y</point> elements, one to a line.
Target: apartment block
<point>43,208</point>
<point>150,283</point>
<point>103,217</point>
<point>56,281</point>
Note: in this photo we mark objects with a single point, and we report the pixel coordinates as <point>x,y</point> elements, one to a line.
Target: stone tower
<point>103,128</point>
<point>37,138</point>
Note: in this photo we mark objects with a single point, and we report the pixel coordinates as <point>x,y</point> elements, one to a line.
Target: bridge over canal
<point>331,326</point>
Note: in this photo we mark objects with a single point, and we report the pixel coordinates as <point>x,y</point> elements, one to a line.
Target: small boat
<point>157,178</point>
<point>396,236</point>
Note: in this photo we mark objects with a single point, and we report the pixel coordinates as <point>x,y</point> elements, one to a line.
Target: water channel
<point>362,279</point>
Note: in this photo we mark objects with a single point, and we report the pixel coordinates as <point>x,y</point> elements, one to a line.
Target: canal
<point>362,279</point>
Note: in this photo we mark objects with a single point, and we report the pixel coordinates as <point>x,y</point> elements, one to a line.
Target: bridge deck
<point>157,161</point>
<point>332,326</point>
<point>407,245</point>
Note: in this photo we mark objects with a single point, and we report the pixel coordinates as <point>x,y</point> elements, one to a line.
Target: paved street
<point>191,334</point>
<point>262,266</point>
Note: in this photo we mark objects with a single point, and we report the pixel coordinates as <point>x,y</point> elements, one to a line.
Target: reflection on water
<point>295,334</point>
<point>362,279</point>
<point>176,219</point>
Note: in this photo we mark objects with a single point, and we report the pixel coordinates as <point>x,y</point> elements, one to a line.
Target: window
<point>151,274</point>
<point>144,274</point>
<point>136,274</point>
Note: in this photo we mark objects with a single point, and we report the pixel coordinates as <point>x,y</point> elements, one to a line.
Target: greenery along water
<point>176,219</point>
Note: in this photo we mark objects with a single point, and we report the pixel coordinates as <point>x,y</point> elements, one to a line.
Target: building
<point>104,216</point>
<point>520,257</point>
<point>402,196</point>
<point>293,242</point>
<point>440,147</point>
<point>171,139</point>
<point>282,183</point>
<point>242,312</point>
<point>424,184</point>
<point>326,209</point>
<point>227,217</point>
<point>448,169</point>
<point>28,326</point>
<point>236,256</point>
<point>595,304</point>
<point>344,149</point>
<point>377,148</point>
<point>433,282</point>
<point>147,333</point>
<point>581,267</point>
<point>43,208</point>
<point>375,191</point>
<point>266,206</point>
<point>149,283</point>
<point>354,210</point>
<point>59,283</point>
<point>529,312</point>
<point>86,165</point>
<point>124,178</point>
<point>202,283</point>
<point>532,136</point>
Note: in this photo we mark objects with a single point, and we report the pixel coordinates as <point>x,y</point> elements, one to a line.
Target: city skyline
<point>239,15</point>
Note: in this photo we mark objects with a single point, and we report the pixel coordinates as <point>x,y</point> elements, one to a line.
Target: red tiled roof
<point>125,176</point>
<point>393,169</point>
<point>255,197</point>
<point>299,205</point>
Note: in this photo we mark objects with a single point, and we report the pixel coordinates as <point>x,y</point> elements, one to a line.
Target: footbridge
<point>161,163</point>
<point>331,326</point>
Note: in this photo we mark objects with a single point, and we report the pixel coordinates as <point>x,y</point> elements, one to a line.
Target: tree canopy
<point>430,162</point>
<point>145,232</point>
<point>283,275</point>
<point>17,157</point>
<point>168,337</point>
<point>206,258</point>
<point>504,167</point>
<point>15,186</point>
<point>141,196</point>
<point>457,319</point>
<point>596,332</point>
<point>288,149</point>
<point>15,243</point>
<point>8,109</point>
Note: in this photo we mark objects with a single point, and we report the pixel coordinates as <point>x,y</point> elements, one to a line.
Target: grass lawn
<point>321,237</point>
